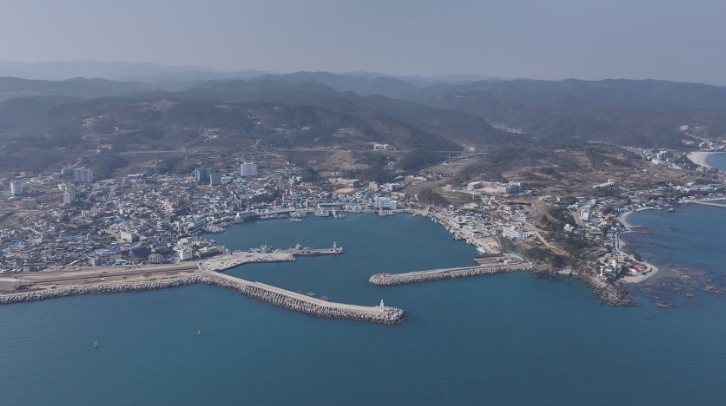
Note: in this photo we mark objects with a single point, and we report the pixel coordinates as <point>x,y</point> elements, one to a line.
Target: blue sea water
<point>496,340</point>
<point>694,234</point>
<point>717,161</point>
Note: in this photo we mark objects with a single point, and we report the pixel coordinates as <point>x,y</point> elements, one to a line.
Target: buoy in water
<point>95,345</point>
<point>199,332</point>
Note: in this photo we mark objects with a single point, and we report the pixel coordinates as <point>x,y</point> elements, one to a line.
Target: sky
<point>540,39</point>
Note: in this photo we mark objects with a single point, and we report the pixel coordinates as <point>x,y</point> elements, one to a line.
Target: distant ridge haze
<point>546,40</point>
<point>624,112</point>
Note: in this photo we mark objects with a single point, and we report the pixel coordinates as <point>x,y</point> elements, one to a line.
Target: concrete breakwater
<point>278,297</point>
<point>448,273</point>
<point>304,304</point>
<point>99,288</point>
<point>233,259</point>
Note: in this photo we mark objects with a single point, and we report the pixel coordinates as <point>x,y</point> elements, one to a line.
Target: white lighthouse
<point>381,305</point>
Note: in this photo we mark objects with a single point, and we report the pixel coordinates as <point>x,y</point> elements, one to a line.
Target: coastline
<point>700,157</point>
<point>624,220</point>
<point>620,244</point>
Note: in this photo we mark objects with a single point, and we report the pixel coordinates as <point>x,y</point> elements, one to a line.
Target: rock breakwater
<point>99,288</point>
<point>310,306</point>
<point>450,273</point>
<point>276,296</point>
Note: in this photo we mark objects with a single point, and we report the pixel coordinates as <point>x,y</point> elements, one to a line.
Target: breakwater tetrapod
<point>116,280</point>
<point>385,279</point>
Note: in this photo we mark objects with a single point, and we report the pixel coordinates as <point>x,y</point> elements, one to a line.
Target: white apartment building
<point>16,188</point>
<point>82,175</point>
<point>185,254</point>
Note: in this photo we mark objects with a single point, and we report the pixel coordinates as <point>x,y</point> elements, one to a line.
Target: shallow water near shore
<point>717,161</point>
<point>504,339</point>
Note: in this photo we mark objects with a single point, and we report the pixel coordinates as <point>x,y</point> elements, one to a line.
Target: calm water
<point>499,340</point>
<point>695,235</point>
<point>717,161</point>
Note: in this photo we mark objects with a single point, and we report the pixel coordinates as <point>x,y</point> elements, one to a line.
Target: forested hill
<point>406,114</point>
<point>78,87</point>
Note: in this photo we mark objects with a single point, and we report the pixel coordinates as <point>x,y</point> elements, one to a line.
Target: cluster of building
<point>150,218</point>
<point>55,223</point>
<point>496,188</point>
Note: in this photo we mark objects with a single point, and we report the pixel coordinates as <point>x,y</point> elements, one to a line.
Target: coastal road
<point>103,272</point>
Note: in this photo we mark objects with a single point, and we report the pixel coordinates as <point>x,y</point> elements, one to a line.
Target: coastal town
<point>70,222</point>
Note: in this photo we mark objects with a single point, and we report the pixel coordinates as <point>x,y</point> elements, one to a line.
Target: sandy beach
<point>624,219</point>
<point>700,157</point>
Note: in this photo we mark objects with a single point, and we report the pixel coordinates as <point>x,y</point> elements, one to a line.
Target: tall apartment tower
<point>215,179</point>
<point>249,169</point>
<point>16,188</point>
<point>202,174</point>
<point>82,175</point>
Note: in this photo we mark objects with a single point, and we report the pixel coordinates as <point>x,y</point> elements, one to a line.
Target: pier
<point>226,261</point>
<point>387,279</point>
<point>51,285</point>
<point>315,307</point>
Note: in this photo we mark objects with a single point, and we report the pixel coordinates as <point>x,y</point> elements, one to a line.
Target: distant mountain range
<point>320,109</point>
<point>154,73</point>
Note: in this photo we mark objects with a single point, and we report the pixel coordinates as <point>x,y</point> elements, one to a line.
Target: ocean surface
<point>496,340</point>
<point>694,234</point>
<point>717,161</point>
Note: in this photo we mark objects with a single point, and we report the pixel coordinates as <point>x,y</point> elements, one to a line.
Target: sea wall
<point>390,315</point>
<point>99,288</point>
<point>439,274</point>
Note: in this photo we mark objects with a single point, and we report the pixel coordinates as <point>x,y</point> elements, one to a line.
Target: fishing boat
<point>296,219</point>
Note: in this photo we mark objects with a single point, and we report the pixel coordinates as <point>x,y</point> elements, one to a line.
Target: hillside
<point>451,124</point>
<point>47,131</point>
<point>67,120</point>
<point>78,87</point>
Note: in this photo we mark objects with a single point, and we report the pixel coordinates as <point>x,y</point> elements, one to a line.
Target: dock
<point>386,279</point>
<point>226,261</point>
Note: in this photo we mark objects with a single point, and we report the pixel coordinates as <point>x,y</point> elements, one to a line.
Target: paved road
<point>103,272</point>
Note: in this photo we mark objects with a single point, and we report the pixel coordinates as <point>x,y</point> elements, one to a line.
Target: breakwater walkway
<point>279,297</point>
<point>385,279</point>
<point>100,288</point>
<point>315,307</point>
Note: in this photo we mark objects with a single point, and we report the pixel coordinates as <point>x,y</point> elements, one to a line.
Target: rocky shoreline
<point>614,295</point>
<point>424,276</point>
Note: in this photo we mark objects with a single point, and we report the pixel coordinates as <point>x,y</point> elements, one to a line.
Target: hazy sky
<point>551,39</point>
